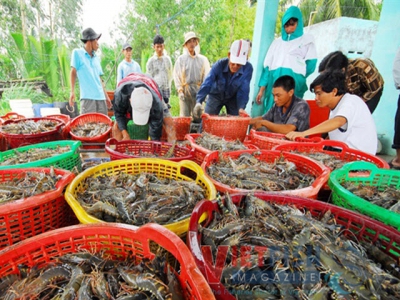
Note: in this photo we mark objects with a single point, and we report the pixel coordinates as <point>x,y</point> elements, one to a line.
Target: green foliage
<point>323,10</point>
<point>110,58</point>
<point>22,91</point>
<point>217,23</point>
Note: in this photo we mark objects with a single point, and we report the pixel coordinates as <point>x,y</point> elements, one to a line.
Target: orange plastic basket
<point>269,140</point>
<point>11,116</point>
<point>87,118</point>
<point>182,127</point>
<point>228,127</point>
<point>355,226</point>
<point>28,217</point>
<point>139,148</point>
<point>117,240</point>
<point>303,165</point>
<point>200,152</point>
<point>343,152</point>
<point>18,140</point>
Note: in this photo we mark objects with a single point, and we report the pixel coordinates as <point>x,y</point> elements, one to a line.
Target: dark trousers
<point>396,139</point>
<point>373,103</point>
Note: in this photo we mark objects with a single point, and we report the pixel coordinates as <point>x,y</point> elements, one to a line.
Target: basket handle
<point>205,116</point>
<point>192,166</point>
<point>110,142</point>
<point>335,144</point>
<point>359,165</point>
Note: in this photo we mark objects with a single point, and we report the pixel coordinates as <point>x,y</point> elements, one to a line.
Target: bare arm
<point>108,101</point>
<point>326,126</point>
<point>276,128</point>
<point>72,78</point>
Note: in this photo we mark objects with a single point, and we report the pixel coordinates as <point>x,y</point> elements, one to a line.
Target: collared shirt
<point>126,67</point>
<point>222,85</point>
<point>363,78</point>
<point>160,68</point>
<point>297,114</point>
<point>88,70</point>
<point>396,70</point>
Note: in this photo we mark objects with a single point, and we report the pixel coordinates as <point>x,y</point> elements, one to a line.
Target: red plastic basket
<point>139,148</point>
<point>358,227</point>
<point>65,119</point>
<point>18,140</point>
<point>200,152</point>
<point>182,127</point>
<point>87,118</point>
<point>343,152</point>
<point>269,140</point>
<point>228,127</point>
<point>117,240</point>
<point>11,116</point>
<point>303,165</point>
<point>28,217</point>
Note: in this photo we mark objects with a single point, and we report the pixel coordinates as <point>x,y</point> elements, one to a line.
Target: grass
<point>174,102</point>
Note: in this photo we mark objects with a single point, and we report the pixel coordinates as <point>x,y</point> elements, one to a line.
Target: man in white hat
<point>139,98</point>
<point>190,70</point>
<point>85,65</point>
<point>228,83</point>
<point>128,64</point>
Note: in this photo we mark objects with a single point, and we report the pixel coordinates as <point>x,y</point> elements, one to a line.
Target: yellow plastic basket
<point>183,170</point>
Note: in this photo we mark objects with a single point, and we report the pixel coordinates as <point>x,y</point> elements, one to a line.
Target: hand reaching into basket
<point>197,111</point>
<point>243,113</point>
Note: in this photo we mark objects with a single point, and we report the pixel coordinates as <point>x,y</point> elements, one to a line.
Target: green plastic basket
<point>372,176</point>
<point>67,160</point>
<point>138,132</point>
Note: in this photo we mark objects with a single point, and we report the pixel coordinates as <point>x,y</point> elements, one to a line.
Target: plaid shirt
<point>363,78</point>
<point>160,68</point>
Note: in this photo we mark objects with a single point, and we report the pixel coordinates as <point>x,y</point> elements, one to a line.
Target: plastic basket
<point>342,152</point>
<point>269,140</point>
<point>183,170</point>
<point>11,116</point>
<point>229,127</point>
<point>67,160</point>
<point>117,150</point>
<point>64,118</point>
<point>358,227</point>
<point>119,241</point>
<point>137,132</point>
<point>381,178</point>
<point>200,152</point>
<point>182,127</point>
<point>18,140</point>
<point>87,118</point>
<point>30,216</point>
<point>303,165</point>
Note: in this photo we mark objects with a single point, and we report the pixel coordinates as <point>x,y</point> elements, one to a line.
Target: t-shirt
<point>125,68</point>
<point>359,132</point>
<point>297,114</point>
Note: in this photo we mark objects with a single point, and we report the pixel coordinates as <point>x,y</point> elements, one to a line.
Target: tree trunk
<point>23,20</point>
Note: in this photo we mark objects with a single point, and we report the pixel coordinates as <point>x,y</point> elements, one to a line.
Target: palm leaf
<point>64,66</point>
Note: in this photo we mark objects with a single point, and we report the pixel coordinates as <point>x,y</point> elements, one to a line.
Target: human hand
<point>294,134</point>
<point>259,97</point>
<point>109,104</point>
<point>71,99</point>
<point>125,135</point>
<point>197,111</point>
<point>181,96</point>
<point>243,113</point>
<point>257,124</point>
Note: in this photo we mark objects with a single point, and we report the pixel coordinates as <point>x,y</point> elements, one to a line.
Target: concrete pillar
<point>386,42</point>
<point>264,34</point>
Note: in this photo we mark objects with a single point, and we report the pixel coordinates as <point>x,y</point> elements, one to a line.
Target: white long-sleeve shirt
<point>396,70</point>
